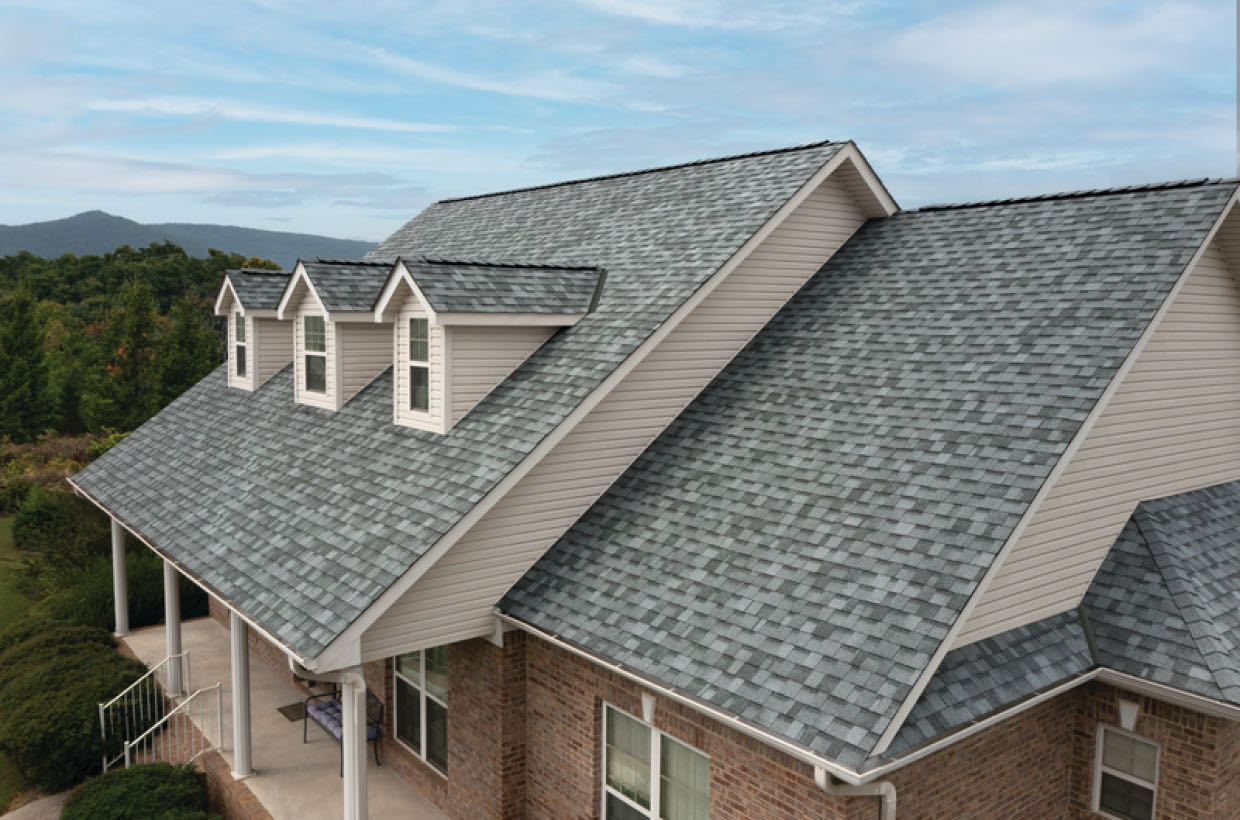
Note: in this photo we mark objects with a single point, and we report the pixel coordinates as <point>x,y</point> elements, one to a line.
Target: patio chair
<point>324,709</point>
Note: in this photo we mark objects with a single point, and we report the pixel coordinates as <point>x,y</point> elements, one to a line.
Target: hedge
<point>151,791</point>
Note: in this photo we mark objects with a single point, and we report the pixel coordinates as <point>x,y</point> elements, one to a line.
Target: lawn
<point>12,604</point>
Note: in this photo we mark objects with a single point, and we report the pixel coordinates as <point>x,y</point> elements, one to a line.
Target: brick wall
<point>1189,770</point>
<point>486,766</point>
<point>564,698</point>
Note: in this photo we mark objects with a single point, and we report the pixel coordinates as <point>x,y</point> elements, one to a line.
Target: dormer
<point>338,348</point>
<point>259,344</point>
<point>461,327</point>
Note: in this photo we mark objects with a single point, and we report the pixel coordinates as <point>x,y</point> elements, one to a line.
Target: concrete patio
<point>294,780</point>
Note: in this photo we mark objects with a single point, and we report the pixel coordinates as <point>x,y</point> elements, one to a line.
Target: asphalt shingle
<point>496,287</point>
<point>258,289</point>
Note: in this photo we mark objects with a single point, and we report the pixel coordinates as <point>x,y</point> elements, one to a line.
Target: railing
<point>140,706</point>
<point>178,736</point>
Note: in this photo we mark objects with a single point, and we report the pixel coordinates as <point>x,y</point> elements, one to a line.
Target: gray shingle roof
<point>797,544</point>
<point>984,677</point>
<point>346,285</point>
<point>258,289</point>
<point>1165,606</point>
<point>301,518</point>
<point>494,287</point>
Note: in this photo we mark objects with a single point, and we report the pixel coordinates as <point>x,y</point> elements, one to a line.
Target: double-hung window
<point>419,365</point>
<point>648,775</point>
<point>239,344</point>
<point>422,704</point>
<point>315,328</point>
<point>1126,775</point>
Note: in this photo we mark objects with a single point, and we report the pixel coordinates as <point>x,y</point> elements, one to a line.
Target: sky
<point>346,119</point>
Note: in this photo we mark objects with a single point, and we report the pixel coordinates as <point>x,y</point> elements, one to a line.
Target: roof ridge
<point>483,264</point>
<point>331,260</point>
<point>262,271</point>
<point>1079,194</point>
<point>642,171</point>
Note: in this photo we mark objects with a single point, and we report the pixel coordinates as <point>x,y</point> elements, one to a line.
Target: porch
<point>291,779</point>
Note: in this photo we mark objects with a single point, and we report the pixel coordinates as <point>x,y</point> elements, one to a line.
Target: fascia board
<point>400,275</point>
<point>299,277</point>
<point>521,319</point>
<point>353,633</point>
<point>226,288</point>
<point>1061,465</point>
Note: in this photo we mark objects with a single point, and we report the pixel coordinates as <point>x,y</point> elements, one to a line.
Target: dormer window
<point>316,353</point>
<point>239,344</point>
<point>419,365</point>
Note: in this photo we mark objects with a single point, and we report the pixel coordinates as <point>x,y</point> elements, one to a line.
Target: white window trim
<point>240,322</point>
<point>306,352</point>
<point>423,695</point>
<point>656,763</point>
<point>1103,728</point>
<point>423,363</point>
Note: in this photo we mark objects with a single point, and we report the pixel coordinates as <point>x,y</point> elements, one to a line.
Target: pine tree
<point>132,381</point>
<point>189,349</point>
<point>23,371</point>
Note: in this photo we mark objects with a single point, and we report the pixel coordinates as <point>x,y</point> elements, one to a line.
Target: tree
<point>189,349</point>
<point>23,371</point>
<point>131,383</point>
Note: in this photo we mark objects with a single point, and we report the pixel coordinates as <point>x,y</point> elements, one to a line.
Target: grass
<point>12,604</point>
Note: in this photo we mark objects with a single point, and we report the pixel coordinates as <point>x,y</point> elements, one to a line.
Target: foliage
<point>49,713</point>
<point>157,791</point>
<point>87,595</point>
<point>23,370</point>
<point>60,534</point>
<point>54,639</point>
<point>13,492</point>
<point>107,441</point>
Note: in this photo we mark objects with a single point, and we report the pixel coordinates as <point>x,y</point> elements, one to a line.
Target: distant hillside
<point>98,232</point>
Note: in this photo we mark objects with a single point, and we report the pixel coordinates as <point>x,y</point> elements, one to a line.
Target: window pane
<point>628,757</point>
<point>437,672</point>
<point>419,388</point>
<point>316,373</point>
<point>238,327</point>
<point>436,734</point>
<point>617,809</point>
<point>419,347</point>
<point>1124,799</point>
<point>684,782</point>
<point>408,715</point>
<point>316,334</point>
<point>410,667</point>
<point>1129,755</point>
<point>239,358</point>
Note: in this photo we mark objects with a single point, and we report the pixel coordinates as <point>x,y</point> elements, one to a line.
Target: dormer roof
<point>339,285</point>
<point>453,290</point>
<point>253,289</point>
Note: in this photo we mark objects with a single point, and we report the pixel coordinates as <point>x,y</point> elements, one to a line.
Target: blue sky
<point>346,119</point>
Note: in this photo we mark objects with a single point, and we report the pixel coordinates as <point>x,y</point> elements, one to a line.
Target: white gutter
<point>792,749</point>
<point>352,733</point>
<point>885,790</point>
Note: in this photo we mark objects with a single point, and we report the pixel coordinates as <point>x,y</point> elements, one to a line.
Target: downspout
<point>885,790</point>
<point>352,732</point>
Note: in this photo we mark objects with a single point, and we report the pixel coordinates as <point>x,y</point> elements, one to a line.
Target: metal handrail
<point>142,702</point>
<point>169,737</point>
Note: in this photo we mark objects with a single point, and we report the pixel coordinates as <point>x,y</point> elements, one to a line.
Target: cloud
<point>452,160</point>
<point>244,112</point>
<point>711,14</point>
<point>1022,45</point>
<point>556,85</point>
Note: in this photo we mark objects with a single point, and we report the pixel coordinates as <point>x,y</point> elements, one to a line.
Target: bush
<point>151,790</point>
<point>49,712</point>
<point>12,493</point>
<point>87,598</point>
<point>53,641</point>
<point>60,533</point>
<point>101,445</point>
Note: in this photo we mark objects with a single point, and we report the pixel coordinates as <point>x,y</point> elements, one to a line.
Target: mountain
<point>98,232</point>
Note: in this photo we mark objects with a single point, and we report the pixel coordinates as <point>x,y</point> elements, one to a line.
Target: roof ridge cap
<point>429,260</point>
<point>1077,194</point>
<point>260,271</point>
<point>642,171</point>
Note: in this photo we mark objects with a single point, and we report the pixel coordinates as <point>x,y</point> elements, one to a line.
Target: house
<point>730,489</point>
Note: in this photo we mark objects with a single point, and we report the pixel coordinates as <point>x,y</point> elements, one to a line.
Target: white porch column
<point>172,625</point>
<point>239,632</point>
<point>120,580</point>
<point>353,718</point>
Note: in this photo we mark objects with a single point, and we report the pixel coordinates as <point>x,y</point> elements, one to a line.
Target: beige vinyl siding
<point>309,307</point>
<point>273,348</point>
<point>482,357</point>
<point>433,419</point>
<point>364,350</point>
<point>454,599</point>
<point>245,382</point>
<point>1173,425</point>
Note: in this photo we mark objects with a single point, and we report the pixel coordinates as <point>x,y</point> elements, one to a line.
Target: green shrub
<point>151,790</point>
<point>87,596</point>
<point>106,442</point>
<point>33,621</point>
<point>49,715</point>
<point>60,534</point>
<point>12,493</point>
<point>55,640</point>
